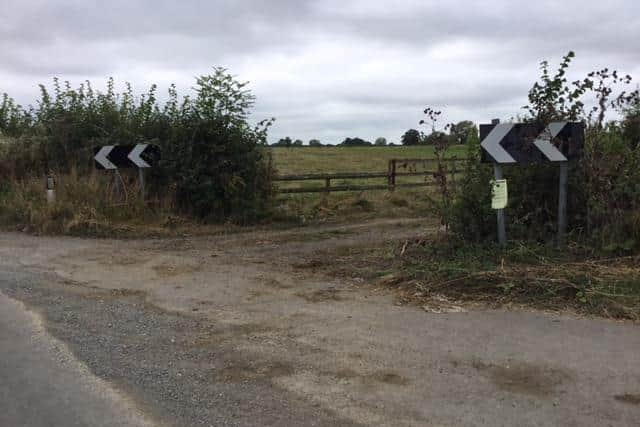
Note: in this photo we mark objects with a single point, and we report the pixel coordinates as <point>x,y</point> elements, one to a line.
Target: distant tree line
<point>458,133</point>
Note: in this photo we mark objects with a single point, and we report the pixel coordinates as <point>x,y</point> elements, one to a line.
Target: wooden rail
<point>391,175</point>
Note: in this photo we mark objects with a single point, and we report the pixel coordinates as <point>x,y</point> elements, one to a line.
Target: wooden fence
<point>396,168</point>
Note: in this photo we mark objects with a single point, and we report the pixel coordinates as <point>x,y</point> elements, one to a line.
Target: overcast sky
<point>325,69</point>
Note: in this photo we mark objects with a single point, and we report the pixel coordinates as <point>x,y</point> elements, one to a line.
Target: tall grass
<point>87,205</point>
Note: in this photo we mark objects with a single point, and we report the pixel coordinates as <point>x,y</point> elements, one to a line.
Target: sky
<point>325,69</point>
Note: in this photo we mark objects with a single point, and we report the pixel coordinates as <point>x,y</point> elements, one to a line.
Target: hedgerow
<point>214,164</point>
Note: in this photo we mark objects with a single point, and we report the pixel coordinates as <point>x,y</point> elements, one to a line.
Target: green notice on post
<point>499,194</point>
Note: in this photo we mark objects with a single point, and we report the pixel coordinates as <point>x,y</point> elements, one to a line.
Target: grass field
<point>354,205</point>
<point>348,159</point>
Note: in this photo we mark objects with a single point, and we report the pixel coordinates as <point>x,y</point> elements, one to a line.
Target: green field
<point>302,160</point>
<point>352,205</point>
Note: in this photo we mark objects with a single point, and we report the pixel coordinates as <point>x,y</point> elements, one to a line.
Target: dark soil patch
<point>273,283</point>
<point>242,371</point>
<point>321,295</point>
<point>523,378</point>
<point>389,377</point>
<point>633,399</point>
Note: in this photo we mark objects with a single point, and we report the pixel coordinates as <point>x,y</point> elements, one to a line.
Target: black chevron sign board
<point>126,156</point>
<point>522,143</point>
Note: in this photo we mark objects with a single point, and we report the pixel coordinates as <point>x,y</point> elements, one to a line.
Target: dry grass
<point>432,271</point>
<point>84,205</point>
<point>94,206</point>
<point>528,275</point>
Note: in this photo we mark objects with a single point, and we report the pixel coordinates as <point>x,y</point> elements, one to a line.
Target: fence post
<point>392,175</point>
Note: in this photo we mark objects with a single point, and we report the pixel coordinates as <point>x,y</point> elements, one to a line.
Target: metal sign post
<point>562,204</point>
<point>502,230</point>
<point>141,181</point>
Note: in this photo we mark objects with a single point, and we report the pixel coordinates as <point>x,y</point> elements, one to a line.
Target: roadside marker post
<point>51,191</point>
<point>526,143</point>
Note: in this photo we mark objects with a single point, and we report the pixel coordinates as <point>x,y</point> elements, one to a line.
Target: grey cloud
<point>323,67</point>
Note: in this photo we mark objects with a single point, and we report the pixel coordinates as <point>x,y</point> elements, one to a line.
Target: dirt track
<point>341,349</point>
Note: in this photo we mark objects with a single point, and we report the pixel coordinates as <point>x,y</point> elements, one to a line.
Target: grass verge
<point>436,270</point>
<point>92,206</point>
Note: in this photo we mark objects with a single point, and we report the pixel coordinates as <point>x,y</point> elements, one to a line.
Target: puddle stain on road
<point>632,399</point>
<point>521,377</point>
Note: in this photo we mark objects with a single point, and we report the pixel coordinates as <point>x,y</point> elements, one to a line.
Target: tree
<point>213,157</point>
<point>434,138</point>
<point>355,142</point>
<point>462,131</point>
<point>380,141</point>
<point>315,143</point>
<point>283,142</point>
<point>411,137</point>
<point>298,143</point>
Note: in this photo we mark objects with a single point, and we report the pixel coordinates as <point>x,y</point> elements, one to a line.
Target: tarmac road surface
<point>43,385</point>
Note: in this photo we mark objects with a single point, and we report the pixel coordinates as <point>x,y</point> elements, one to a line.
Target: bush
<point>214,163</point>
<point>355,142</point>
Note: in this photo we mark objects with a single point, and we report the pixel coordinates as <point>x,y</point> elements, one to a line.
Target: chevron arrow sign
<point>126,156</point>
<point>510,143</point>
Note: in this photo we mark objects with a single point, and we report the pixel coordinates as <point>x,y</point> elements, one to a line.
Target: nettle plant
<point>444,175</point>
<point>604,200</point>
<point>554,98</point>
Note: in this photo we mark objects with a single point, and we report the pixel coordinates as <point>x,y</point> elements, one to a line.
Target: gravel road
<point>154,356</point>
<point>227,331</point>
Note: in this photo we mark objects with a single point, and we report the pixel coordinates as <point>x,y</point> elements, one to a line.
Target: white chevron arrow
<point>543,142</point>
<point>101,157</point>
<point>134,156</point>
<point>492,143</point>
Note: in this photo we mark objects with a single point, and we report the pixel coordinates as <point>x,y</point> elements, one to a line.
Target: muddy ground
<point>229,330</point>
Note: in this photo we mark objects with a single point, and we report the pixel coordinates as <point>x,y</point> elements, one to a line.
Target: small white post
<point>51,192</point>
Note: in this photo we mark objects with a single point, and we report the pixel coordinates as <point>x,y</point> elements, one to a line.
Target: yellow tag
<point>499,192</point>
